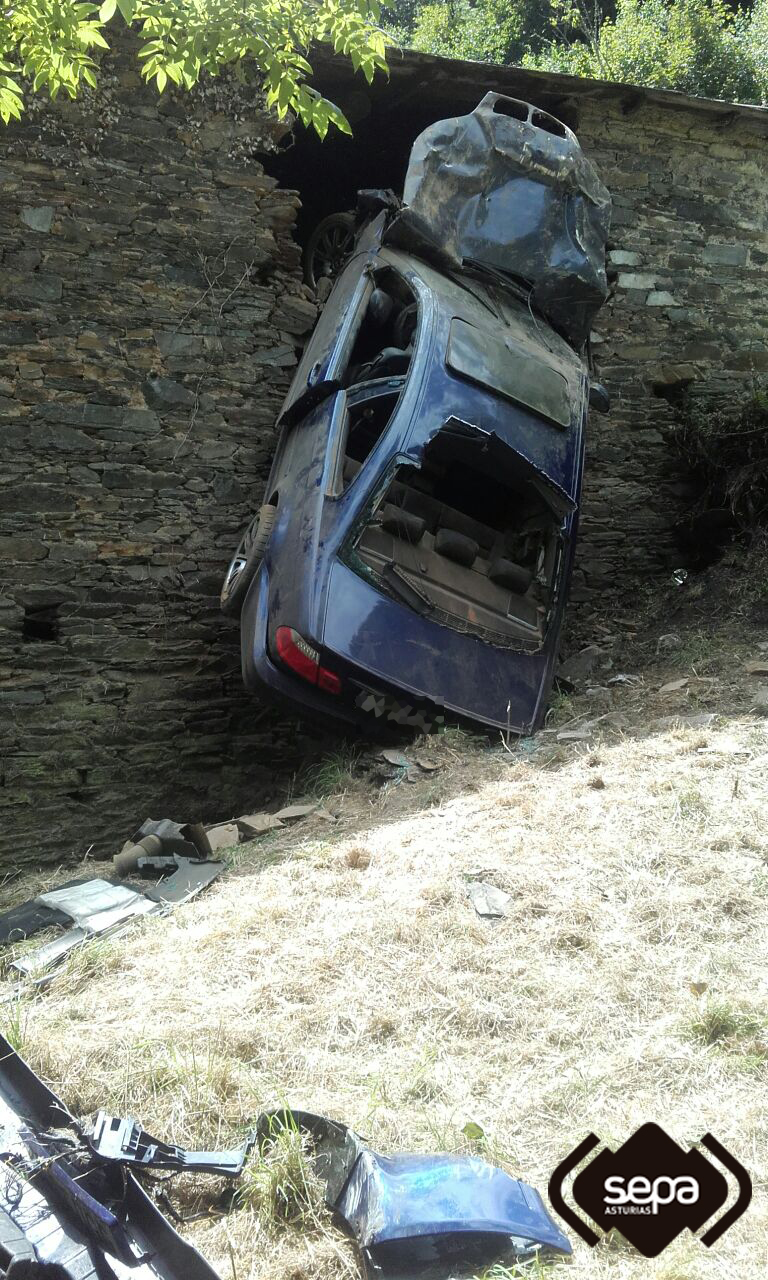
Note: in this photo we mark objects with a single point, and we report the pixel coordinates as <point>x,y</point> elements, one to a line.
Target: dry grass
<point>343,969</point>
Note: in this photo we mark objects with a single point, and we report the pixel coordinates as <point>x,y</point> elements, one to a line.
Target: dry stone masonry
<point>690,258</point>
<point>151,306</point>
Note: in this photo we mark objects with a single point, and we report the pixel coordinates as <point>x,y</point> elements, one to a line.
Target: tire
<point>328,247</point>
<point>246,560</point>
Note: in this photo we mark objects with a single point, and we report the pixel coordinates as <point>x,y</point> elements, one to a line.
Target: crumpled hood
<point>509,187</point>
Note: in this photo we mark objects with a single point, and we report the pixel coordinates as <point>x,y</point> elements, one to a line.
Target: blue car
<point>410,563</point>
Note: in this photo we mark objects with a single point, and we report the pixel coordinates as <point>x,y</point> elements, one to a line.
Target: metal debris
<point>487,900</point>
<point>418,1217</point>
<point>67,1213</point>
<point>122,1140</point>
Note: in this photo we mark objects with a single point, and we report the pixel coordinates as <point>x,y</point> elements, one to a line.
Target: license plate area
<point>397,712</point>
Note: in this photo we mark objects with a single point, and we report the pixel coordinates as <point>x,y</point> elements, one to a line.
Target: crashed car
<point>410,563</point>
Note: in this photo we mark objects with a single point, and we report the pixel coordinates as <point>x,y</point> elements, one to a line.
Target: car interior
<point>378,367</point>
<point>472,545</point>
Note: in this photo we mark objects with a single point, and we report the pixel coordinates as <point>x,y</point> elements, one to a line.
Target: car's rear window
<point>509,370</point>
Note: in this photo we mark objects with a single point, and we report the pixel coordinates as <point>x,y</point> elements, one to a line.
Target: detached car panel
<point>425,493</point>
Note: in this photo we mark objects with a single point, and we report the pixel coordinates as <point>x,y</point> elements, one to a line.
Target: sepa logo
<point>650,1189</point>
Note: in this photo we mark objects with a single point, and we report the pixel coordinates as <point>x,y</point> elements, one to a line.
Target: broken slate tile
<point>223,836</point>
<point>292,812</point>
<point>428,764</point>
<point>487,900</point>
<point>757,667</point>
<point>257,824</point>
<point>396,758</point>
<point>673,685</point>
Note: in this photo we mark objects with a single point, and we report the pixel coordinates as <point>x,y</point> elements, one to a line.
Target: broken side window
<point>472,537</point>
<point>375,375</point>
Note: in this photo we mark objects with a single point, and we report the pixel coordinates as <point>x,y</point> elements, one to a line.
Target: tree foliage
<point>53,46</point>
<point>702,47</point>
<point>712,48</point>
<point>483,30</point>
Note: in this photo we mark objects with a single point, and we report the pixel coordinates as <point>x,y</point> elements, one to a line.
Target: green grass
<point>333,774</point>
<point>533,1269</point>
<point>719,1022</point>
<point>14,1020</point>
<point>280,1186</point>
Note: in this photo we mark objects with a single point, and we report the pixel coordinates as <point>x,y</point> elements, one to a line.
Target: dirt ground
<point>340,965</point>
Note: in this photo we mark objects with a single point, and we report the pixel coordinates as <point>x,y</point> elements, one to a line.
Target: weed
<point>14,1023</point>
<point>281,1186</point>
<point>718,1023</point>
<point>531,1269</point>
<point>358,857</point>
<point>86,961</point>
<point>690,802</point>
<point>697,650</point>
<point>333,774</point>
<point>560,708</point>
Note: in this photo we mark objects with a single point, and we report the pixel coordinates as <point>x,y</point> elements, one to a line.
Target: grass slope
<point>342,968</point>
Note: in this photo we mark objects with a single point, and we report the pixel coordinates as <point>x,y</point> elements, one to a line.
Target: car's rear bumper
<point>470,679</point>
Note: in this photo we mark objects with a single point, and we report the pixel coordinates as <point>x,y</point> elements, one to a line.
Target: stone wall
<point>690,256</point>
<point>150,310</point>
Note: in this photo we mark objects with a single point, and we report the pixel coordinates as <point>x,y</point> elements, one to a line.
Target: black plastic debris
<point>163,837</point>
<point>64,1215</point>
<point>175,858</point>
<point>123,1141</point>
<point>420,1217</point>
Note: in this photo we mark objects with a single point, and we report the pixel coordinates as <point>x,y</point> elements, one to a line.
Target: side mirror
<point>599,398</point>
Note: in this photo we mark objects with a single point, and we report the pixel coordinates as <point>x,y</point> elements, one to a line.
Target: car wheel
<point>246,561</point>
<point>328,248</point>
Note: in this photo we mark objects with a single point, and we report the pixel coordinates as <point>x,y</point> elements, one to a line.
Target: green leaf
<point>161,78</point>
<point>473,1131</point>
<point>107,10</point>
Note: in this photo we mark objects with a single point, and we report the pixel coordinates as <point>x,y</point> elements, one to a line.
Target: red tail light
<point>304,661</point>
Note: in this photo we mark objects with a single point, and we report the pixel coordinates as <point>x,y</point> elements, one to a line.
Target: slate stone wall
<point>150,311</point>
<point>690,259</point>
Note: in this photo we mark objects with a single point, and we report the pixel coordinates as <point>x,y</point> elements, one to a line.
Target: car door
<point>327,351</point>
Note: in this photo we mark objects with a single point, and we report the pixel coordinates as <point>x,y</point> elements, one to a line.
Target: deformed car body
<point>411,560</point>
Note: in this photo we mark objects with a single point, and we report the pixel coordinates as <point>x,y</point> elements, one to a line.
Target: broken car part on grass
<point>96,908</point>
<point>412,556</point>
<point>415,1216</point>
<point>122,1140</point>
<point>61,1207</point>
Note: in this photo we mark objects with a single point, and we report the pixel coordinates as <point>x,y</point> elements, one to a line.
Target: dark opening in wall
<point>386,117</point>
<point>41,623</point>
